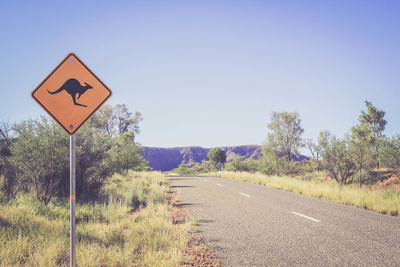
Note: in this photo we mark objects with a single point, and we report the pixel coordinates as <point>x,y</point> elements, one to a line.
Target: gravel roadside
<point>197,252</point>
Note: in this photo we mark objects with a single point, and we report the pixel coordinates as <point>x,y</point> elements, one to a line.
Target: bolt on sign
<point>71,94</point>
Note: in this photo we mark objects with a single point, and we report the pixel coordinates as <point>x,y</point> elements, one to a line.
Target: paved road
<point>252,225</point>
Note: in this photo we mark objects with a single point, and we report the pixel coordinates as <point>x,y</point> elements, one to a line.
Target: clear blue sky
<point>210,73</point>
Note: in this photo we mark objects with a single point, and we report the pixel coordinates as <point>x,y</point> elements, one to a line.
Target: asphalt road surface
<point>252,225</point>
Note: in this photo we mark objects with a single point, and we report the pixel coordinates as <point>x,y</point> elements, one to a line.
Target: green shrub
<point>183,170</point>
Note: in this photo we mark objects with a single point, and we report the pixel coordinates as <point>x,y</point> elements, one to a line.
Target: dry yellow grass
<point>108,234</point>
<point>383,201</point>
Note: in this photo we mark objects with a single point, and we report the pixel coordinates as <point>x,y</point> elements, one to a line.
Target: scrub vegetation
<point>131,226</point>
<point>34,155</point>
<point>383,198</point>
<point>123,216</point>
<point>360,169</point>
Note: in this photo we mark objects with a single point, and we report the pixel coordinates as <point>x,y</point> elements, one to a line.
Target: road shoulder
<point>197,252</point>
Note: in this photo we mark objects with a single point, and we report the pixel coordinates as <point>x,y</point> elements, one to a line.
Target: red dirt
<point>197,252</point>
<point>392,182</point>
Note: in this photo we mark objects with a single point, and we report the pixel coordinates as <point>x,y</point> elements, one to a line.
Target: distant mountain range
<point>166,159</point>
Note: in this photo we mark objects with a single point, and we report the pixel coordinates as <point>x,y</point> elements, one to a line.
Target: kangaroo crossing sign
<point>71,94</point>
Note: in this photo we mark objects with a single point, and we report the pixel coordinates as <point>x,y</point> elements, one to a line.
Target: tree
<point>106,146</point>
<point>251,165</point>
<point>125,155</point>
<point>40,154</point>
<point>238,164</point>
<point>217,157</point>
<point>337,159</point>
<point>203,167</point>
<point>8,177</point>
<point>116,120</point>
<point>390,152</point>
<point>375,118</point>
<point>271,162</point>
<point>315,150</point>
<point>286,131</point>
<point>125,121</point>
<point>91,163</point>
<point>362,147</point>
<point>183,170</point>
<point>104,120</point>
<point>284,138</point>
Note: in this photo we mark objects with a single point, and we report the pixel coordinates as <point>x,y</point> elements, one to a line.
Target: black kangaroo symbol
<point>73,87</point>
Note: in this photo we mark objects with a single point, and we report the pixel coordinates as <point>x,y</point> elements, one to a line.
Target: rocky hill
<point>166,159</point>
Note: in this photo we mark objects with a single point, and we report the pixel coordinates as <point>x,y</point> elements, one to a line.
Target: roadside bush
<point>91,167</point>
<point>389,154</point>
<point>36,159</point>
<point>40,154</point>
<point>240,164</point>
<point>251,165</point>
<point>8,178</point>
<point>183,170</point>
<point>272,163</point>
<point>203,167</point>
<point>307,167</point>
<point>362,147</point>
<point>124,154</point>
<point>337,159</point>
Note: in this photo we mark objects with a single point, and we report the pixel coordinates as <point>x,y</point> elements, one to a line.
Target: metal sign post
<point>57,94</point>
<point>72,198</point>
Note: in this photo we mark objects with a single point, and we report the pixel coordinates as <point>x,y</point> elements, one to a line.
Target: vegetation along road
<point>252,225</point>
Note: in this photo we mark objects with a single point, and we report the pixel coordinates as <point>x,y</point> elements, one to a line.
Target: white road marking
<point>205,180</point>
<point>218,184</point>
<point>243,194</point>
<point>302,215</point>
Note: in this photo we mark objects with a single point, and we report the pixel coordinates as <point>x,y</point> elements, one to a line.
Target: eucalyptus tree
<point>375,118</point>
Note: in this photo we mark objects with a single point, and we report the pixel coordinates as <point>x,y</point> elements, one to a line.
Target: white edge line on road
<point>218,184</point>
<point>302,215</point>
<point>243,194</point>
